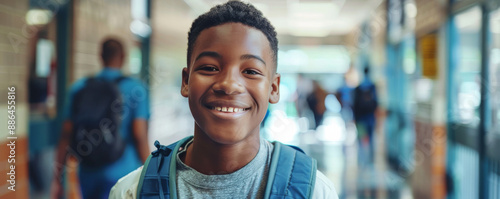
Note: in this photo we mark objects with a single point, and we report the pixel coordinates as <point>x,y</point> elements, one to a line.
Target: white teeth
<point>228,109</point>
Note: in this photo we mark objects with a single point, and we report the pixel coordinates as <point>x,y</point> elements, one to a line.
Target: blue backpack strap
<point>158,174</point>
<point>296,175</point>
<point>120,79</point>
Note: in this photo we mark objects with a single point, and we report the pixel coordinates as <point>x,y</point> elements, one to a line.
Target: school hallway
<point>430,69</point>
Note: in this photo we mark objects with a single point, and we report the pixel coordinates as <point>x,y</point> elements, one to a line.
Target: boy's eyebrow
<point>209,54</point>
<point>217,55</point>
<point>250,56</point>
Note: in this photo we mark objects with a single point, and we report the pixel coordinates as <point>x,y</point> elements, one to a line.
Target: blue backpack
<point>365,101</point>
<point>96,113</point>
<point>295,177</point>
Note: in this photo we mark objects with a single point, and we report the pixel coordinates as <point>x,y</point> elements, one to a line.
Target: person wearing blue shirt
<point>344,96</point>
<point>364,109</point>
<point>97,182</point>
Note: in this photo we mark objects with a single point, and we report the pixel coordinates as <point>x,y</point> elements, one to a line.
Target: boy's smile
<point>229,82</point>
<point>227,109</point>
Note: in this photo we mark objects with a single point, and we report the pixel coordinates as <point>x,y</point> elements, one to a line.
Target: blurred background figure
<point>365,104</point>
<point>106,126</point>
<point>304,88</point>
<point>316,103</point>
<point>344,95</point>
<point>41,100</point>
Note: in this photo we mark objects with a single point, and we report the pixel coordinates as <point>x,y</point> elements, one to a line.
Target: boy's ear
<point>185,79</point>
<point>275,89</point>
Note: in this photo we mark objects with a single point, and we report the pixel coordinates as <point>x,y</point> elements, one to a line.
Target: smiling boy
<point>229,81</point>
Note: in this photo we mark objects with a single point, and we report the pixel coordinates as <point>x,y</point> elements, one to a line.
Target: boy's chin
<point>228,137</point>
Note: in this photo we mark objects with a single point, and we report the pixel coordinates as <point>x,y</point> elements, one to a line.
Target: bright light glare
<point>138,9</point>
<point>332,130</point>
<point>38,17</point>
<point>495,22</point>
<point>469,19</point>
<point>311,19</point>
<point>411,10</point>
<point>423,90</point>
<point>409,65</point>
<point>307,32</point>
<point>297,57</point>
<point>140,28</point>
<point>281,127</point>
<point>495,56</point>
<point>313,59</point>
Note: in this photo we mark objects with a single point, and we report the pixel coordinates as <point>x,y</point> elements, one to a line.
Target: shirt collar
<point>108,72</point>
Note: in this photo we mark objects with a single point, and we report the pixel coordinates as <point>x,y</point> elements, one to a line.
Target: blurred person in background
<point>365,103</point>
<point>345,97</point>
<point>105,128</point>
<point>316,102</point>
<point>304,88</point>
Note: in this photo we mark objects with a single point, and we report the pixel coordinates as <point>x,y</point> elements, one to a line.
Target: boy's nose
<point>229,83</point>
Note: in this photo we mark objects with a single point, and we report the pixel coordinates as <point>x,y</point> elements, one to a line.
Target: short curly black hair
<point>233,11</point>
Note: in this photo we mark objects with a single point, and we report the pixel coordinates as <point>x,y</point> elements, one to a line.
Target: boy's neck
<point>211,158</point>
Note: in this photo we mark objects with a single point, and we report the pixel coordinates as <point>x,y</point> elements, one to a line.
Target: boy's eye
<point>208,68</point>
<point>251,72</point>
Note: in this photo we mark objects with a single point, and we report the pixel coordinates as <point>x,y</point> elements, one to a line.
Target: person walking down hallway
<point>344,95</point>
<point>105,127</point>
<point>316,102</point>
<point>364,106</point>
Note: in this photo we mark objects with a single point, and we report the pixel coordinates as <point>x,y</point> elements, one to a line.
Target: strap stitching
<point>291,172</point>
<point>312,179</point>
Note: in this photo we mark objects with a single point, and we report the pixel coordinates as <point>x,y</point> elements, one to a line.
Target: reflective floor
<point>348,165</point>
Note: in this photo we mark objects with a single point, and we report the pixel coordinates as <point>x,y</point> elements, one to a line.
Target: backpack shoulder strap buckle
<point>158,174</point>
<point>161,149</point>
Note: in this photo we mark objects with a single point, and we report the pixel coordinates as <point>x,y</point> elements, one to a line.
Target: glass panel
<point>44,57</point>
<point>467,75</point>
<point>495,70</point>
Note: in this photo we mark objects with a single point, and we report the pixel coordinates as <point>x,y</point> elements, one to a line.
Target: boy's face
<point>230,81</point>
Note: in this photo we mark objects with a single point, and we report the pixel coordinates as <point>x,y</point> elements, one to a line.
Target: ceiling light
<point>38,17</point>
<point>411,10</point>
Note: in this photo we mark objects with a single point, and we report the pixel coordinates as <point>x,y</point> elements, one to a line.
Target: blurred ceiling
<point>296,21</point>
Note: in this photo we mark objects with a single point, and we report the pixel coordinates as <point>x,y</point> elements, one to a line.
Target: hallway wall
<point>14,37</point>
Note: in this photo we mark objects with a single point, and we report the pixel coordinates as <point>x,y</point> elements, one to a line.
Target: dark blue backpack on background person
<point>365,101</point>
<point>295,177</point>
<point>96,113</point>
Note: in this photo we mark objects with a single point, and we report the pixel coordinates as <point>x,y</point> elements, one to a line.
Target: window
<point>494,71</point>
<point>467,77</point>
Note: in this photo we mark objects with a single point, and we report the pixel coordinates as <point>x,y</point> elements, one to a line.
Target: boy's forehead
<point>235,35</point>
<point>231,32</point>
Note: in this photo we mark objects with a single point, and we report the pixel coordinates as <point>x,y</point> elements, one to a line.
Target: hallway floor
<point>349,167</point>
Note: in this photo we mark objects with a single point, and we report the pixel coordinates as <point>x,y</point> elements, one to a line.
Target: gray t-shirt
<point>247,182</point>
